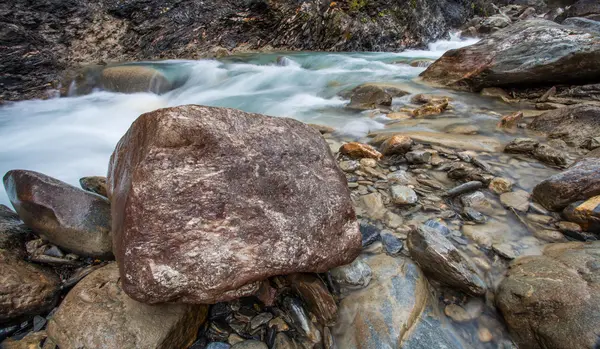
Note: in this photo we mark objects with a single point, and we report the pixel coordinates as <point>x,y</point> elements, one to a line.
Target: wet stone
<point>393,245</point>
<point>218,345</point>
<point>349,166</point>
<point>95,184</point>
<point>418,156</point>
<point>574,231</point>
<point>458,313</point>
<point>250,344</point>
<point>465,188</point>
<point>438,226</point>
<point>300,320</point>
<point>473,215</point>
<point>260,320</point>
<point>518,200</point>
<point>370,233</point>
<point>500,185</point>
<point>234,339</point>
<point>476,200</point>
<point>403,195</point>
<point>316,296</point>
<point>352,276</point>
<point>505,250</point>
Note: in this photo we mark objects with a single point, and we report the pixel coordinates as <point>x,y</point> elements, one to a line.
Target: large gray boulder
<point>532,52</point>
<point>98,314</point>
<point>553,300</point>
<point>208,202</point>
<point>71,218</point>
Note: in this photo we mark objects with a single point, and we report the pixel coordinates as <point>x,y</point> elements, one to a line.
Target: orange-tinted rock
<point>315,294</point>
<point>585,213</point>
<point>94,184</point>
<point>360,150</point>
<point>25,289</point>
<point>511,120</point>
<point>208,202</point>
<point>71,218</point>
<point>430,109</point>
<point>396,144</point>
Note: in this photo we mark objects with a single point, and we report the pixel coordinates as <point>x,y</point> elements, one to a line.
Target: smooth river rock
<point>442,261</point>
<point>96,313</point>
<point>13,232</point>
<point>207,202</point>
<point>396,310</point>
<point>71,218</point>
<point>553,300</point>
<point>25,289</point>
<point>579,182</point>
<point>526,53</point>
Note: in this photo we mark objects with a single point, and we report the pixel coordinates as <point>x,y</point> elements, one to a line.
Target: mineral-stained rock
<point>549,155</point>
<point>579,182</point>
<point>207,202</point>
<point>360,150</point>
<point>396,144</point>
<point>25,289</point>
<point>525,53</point>
<point>96,313</point>
<point>396,310</point>
<point>521,146</point>
<point>438,257</point>
<point>575,124</point>
<point>315,294</point>
<point>585,213</point>
<point>95,184</point>
<point>511,120</point>
<point>352,276</point>
<point>553,300</point>
<point>373,95</point>
<point>69,217</point>
<point>500,185</point>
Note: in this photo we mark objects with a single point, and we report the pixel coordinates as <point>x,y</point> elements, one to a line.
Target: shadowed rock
<point>69,217</point>
<point>576,125</point>
<point>25,289</point>
<point>207,202</point>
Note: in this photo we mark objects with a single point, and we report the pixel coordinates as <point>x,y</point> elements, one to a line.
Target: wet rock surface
<point>579,182</point>
<point>539,52</point>
<point>576,125</point>
<point>237,183</point>
<point>98,313</point>
<point>71,218</point>
<point>440,259</point>
<point>551,300</point>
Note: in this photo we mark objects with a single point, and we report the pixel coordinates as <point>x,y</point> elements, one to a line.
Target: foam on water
<point>68,138</point>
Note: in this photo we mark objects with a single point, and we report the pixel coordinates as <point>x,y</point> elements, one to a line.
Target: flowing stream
<point>68,138</point>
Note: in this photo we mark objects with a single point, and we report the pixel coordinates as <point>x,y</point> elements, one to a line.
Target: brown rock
<point>579,182</point>
<point>32,340</point>
<point>69,217</point>
<point>322,128</point>
<point>553,300</point>
<point>96,313</point>
<point>25,289</point>
<point>500,185</point>
<point>95,184</point>
<point>549,155</point>
<point>134,78</point>
<point>360,150</point>
<point>511,120</point>
<point>315,294</point>
<point>396,144</point>
<point>518,200</point>
<point>249,197</point>
<point>575,124</point>
<point>369,96</point>
<point>424,98</point>
<point>430,109</point>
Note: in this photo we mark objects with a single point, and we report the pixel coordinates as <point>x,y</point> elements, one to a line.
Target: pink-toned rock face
<point>206,202</point>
